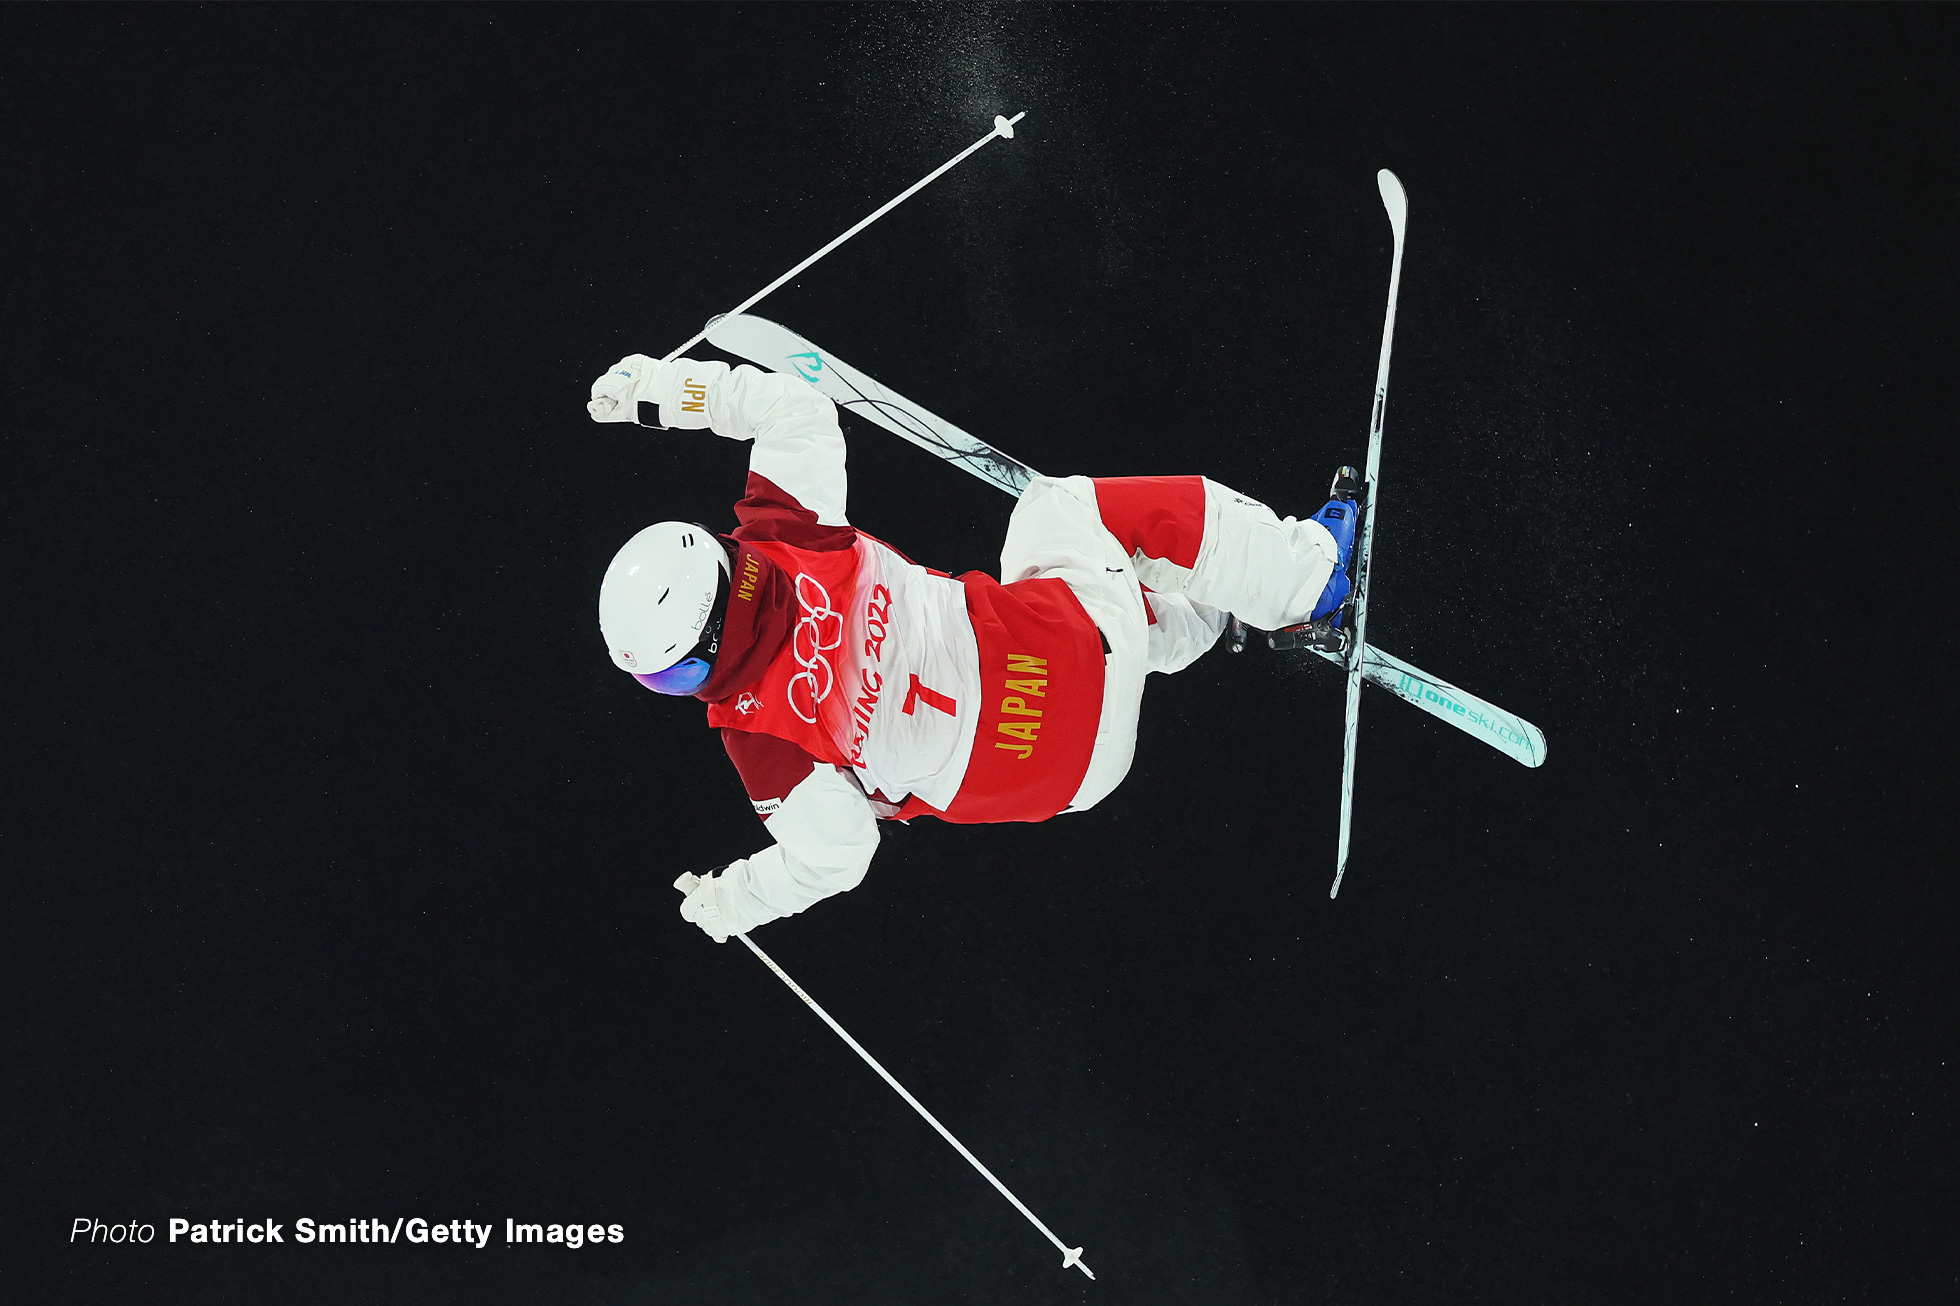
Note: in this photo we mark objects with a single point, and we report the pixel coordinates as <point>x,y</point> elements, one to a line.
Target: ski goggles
<point>692,671</point>
<point>684,677</point>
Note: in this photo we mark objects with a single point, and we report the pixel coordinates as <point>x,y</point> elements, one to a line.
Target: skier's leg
<point>1180,631</point>
<point>1323,631</point>
<point>1057,532</point>
<point>1192,536</point>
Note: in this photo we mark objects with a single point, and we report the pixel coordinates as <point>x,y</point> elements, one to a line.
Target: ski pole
<point>1002,127</point>
<point>1070,1255</point>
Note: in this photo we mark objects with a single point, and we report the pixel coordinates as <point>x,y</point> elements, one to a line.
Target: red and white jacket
<point>854,684</point>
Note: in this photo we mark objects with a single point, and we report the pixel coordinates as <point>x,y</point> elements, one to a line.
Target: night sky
<point>337,855</point>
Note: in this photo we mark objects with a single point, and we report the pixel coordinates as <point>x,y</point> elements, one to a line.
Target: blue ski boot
<point>1323,630</point>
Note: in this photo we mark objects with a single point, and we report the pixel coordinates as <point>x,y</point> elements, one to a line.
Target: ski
<point>1507,732</point>
<point>1397,205</point>
<point>781,350</point>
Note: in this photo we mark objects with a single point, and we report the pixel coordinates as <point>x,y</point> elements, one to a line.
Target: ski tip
<point>1393,199</point>
<point>1536,738</point>
<point>742,329</point>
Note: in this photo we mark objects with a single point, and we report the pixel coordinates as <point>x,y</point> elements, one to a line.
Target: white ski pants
<point>1202,550</point>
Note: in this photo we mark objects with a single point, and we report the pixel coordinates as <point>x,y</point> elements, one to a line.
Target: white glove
<point>615,396</point>
<point>699,906</point>
<point>679,389</point>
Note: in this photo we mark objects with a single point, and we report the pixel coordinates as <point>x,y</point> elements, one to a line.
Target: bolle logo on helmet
<point>818,630</point>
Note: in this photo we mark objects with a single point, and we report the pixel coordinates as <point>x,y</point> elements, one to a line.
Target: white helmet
<point>659,596</point>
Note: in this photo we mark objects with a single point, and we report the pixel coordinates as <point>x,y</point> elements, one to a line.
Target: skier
<point>852,685</point>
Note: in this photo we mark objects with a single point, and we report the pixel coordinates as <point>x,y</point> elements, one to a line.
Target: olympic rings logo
<point>818,630</point>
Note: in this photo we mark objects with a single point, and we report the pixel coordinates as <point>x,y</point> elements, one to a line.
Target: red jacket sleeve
<point>769,767</point>
<point>768,512</point>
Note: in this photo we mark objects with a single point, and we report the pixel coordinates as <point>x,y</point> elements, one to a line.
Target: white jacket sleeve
<point>798,444</point>
<point>825,835</point>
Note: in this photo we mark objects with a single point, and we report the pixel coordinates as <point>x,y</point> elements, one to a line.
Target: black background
<point>337,854</point>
